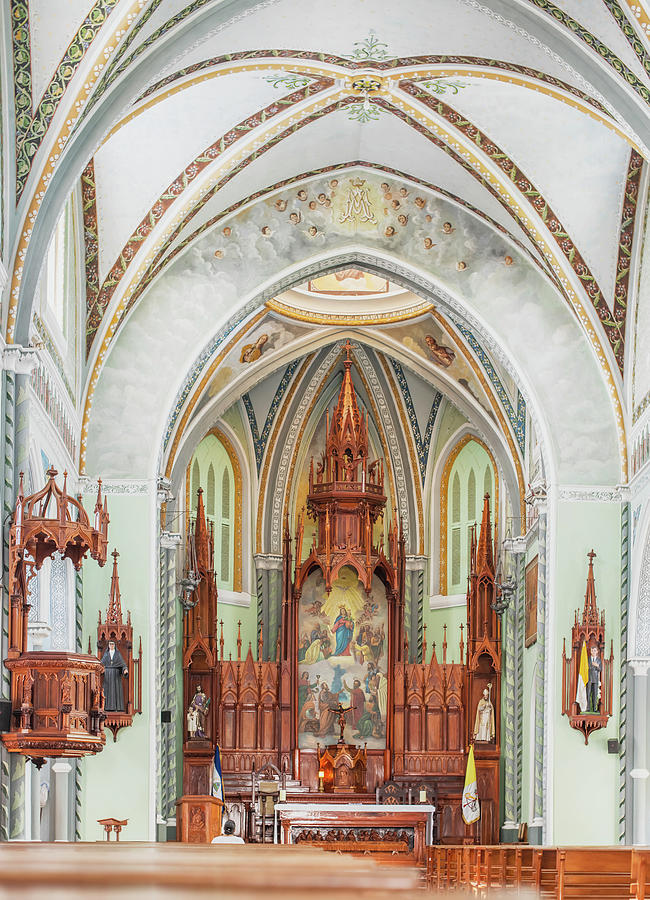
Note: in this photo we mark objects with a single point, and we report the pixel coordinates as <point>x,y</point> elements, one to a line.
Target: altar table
<point>358,827</point>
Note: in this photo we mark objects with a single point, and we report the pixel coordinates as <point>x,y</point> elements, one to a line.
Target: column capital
<point>62,767</point>
<point>639,665</point>
<point>268,561</point>
<point>415,563</point>
<point>18,359</point>
<point>170,540</point>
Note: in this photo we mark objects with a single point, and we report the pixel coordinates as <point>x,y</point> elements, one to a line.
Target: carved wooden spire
<point>590,611</point>
<point>485,550</point>
<point>114,611</point>
<point>201,537</point>
<point>348,430</point>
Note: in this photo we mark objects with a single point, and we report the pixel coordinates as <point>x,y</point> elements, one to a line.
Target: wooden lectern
<point>198,819</point>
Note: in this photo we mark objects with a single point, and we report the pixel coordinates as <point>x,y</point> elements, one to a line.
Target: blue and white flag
<point>217,783</point>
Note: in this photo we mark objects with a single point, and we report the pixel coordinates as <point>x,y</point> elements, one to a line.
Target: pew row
<point>565,873</point>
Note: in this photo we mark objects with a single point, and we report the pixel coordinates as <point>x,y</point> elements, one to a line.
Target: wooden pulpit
<point>198,819</point>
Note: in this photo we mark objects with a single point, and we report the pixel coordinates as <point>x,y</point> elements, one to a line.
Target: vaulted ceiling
<point>194,127</point>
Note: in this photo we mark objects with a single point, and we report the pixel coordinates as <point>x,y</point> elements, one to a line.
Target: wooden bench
<point>595,872</point>
<point>54,871</point>
<point>640,875</point>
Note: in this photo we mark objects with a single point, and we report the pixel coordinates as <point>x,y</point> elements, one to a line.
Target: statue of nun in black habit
<point>114,670</point>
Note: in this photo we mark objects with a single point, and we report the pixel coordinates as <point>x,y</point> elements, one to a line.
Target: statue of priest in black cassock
<point>114,670</point>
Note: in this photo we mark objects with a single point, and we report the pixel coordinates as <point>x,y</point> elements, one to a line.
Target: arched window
<point>212,469</point>
<point>210,502</point>
<point>463,501</point>
<point>225,526</point>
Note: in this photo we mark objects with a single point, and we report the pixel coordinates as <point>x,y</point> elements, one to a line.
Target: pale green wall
<point>117,782</point>
<point>231,615</point>
<point>452,617</point>
<point>585,778</point>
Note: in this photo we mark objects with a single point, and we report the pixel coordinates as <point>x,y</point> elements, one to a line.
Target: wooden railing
<point>560,872</point>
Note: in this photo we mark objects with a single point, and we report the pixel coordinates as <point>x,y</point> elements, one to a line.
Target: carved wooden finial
<point>114,611</point>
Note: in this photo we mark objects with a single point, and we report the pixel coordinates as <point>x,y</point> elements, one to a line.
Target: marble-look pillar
<point>640,755</point>
<point>61,771</point>
<point>36,803</point>
<point>414,604</point>
<point>268,568</point>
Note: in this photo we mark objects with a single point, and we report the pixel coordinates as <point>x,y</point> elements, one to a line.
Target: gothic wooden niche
<point>587,700</point>
<point>57,701</point>
<point>124,699</point>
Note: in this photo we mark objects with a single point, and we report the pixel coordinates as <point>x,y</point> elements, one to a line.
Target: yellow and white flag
<point>583,678</point>
<point>471,807</point>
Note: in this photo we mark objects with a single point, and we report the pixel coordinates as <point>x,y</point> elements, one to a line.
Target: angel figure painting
<point>342,659</point>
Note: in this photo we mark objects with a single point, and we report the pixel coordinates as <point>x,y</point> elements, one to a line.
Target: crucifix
<point>342,711</point>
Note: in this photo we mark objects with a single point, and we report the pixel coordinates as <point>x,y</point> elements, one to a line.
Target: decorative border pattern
<point>91,233</point>
<point>260,440</point>
<point>517,419</point>
<point>31,130</point>
<point>375,64</point>
<point>95,312</point>
<point>590,40</point>
<point>630,34</point>
<point>22,66</point>
<point>626,235</point>
<point>613,324</point>
<point>422,445</point>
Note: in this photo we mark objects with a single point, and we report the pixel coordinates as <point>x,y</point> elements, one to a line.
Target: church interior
<point>326,445</point>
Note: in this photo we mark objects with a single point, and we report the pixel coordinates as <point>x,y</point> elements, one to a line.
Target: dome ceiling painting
<point>458,194</point>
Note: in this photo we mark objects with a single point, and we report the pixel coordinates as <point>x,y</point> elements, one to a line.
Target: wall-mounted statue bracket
<point>586,674</point>
<point>122,669</point>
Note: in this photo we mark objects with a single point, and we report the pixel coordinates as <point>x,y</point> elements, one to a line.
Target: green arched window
<point>470,477</point>
<point>212,470</point>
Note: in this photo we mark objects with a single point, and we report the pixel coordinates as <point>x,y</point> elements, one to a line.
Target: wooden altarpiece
<point>431,702</point>
<point>56,697</point>
<point>114,628</point>
<point>589,630</point>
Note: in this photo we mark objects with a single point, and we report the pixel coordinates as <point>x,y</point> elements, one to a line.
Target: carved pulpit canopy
<point>57,700</point>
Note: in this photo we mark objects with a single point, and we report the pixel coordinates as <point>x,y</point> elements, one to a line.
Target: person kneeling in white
<point>228,835</point>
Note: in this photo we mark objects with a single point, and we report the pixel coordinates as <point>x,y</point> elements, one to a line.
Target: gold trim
<point>444,487</point>
<point>371,318</point>
<point>386,79</point>
<point>415,468</point>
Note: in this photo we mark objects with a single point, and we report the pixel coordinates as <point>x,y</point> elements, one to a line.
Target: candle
<point>283,795</point>
<point>321,774</point>
<point>423,796</point>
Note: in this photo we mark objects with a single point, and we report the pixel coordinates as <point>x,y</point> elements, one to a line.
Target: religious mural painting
<point>342,659</point>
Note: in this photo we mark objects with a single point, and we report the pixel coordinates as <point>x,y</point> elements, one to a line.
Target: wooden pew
<point>124,870</point>
<point>640,875</point>
<point>595,872</point>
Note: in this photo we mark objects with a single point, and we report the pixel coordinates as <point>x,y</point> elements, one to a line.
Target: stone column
<point>168,648</point>
<point>536,826</point>
<point>17,364</point>
<point>36,804</point>
<point>512,642</point>
<point>640,755</point>
<point>61,771</point>
<point>268,569</point>
<point>414,604</point>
